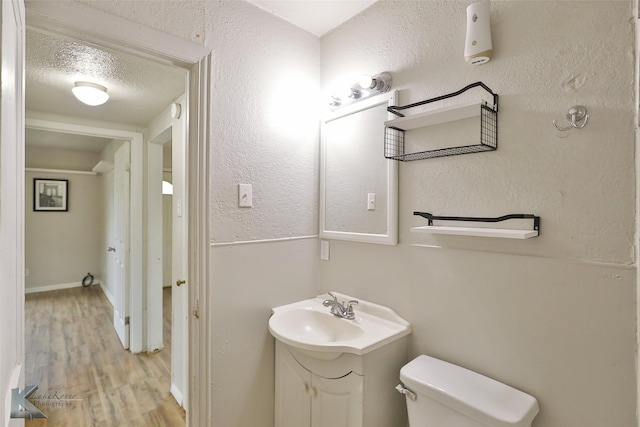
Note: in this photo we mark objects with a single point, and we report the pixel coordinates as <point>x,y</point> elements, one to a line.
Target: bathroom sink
<point>309,325</point>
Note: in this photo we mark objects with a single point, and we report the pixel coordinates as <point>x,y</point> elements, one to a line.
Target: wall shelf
<point>505,233</point>
<point>395,129</point>
<point>60,171</point>
<point>436,117</point>
<point>103,167</point>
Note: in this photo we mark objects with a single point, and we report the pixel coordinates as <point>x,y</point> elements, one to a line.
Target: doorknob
<point>180,282</point>
<point>111,249</point>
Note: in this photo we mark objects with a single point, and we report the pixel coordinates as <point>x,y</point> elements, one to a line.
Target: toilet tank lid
<point>476,396</point>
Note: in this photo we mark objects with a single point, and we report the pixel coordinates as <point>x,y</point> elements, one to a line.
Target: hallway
<point>84,376</point>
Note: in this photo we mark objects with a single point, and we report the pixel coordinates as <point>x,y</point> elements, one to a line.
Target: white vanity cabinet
<point>337,371</point>
<point>306,399</point>
<point>341,392</point>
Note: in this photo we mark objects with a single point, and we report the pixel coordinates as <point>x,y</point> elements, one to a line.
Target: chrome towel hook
<point>575,115</point>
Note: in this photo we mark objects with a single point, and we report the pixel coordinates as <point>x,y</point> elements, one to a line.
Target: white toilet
<point>440,394</point>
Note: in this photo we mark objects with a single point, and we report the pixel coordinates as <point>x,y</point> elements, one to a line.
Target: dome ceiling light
<point>90,93</point>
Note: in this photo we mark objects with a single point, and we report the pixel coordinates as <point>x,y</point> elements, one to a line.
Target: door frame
<point>163,128</point>
<point>12,183</point>
<point>136,218</point>
<point>102,29</point>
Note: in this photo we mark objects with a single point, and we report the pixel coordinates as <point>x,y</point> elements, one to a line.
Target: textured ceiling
<point>139,89</point>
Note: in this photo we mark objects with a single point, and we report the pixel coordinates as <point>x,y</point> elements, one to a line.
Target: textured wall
<point>264,125</point>
<point>184,19</point>
<point>539,71</point>
<point>353,169</point>
<point>264,132</point>
<point>554,315</point>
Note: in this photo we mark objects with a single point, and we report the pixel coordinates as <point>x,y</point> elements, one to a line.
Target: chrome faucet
<point>339,309</point>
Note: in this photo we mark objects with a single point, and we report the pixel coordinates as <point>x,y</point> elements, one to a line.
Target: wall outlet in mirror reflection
<point>324,250</point>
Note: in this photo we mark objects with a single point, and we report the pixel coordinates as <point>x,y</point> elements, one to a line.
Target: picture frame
<point>50,195</point>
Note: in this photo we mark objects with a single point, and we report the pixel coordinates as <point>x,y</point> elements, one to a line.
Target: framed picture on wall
<point>50,195</point>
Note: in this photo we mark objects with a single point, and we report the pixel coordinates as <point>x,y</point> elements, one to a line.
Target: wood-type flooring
<point>85,378</point>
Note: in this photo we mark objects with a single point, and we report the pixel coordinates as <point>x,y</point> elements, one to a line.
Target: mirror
<point>358,185</point>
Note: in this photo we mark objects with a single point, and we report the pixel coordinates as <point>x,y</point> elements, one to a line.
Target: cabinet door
<point>337,402</point>
<point>293,385</point>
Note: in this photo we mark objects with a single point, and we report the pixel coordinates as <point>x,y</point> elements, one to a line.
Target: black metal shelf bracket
<point>396,109</point>
<point>431,218</point>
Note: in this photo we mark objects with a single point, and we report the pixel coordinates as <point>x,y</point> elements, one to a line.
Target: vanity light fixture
<point>366,87</point>
<point>90,93</point>
<point>379,84</point>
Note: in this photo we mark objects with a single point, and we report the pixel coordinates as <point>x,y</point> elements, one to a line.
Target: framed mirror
<point>358,185</point>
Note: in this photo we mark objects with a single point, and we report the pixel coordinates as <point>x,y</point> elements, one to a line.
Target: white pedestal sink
<point>322,361</point>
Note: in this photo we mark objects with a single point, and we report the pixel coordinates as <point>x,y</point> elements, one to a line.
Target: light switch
<point>245,196</point>
<point>371,201</point>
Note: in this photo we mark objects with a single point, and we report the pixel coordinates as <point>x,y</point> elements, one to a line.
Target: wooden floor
<point>84,376</point>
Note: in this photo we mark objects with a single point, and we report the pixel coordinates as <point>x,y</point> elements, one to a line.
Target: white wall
<point>555,315</point>
<point>62,247</point>
<point>265,133</point>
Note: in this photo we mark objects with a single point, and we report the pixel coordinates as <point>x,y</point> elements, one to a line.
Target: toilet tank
<point>447,395</point>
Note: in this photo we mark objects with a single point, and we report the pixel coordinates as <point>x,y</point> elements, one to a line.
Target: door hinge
<point>126,320</point>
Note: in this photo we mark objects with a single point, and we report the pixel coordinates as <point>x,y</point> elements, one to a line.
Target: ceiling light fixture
<point>366,87</point>
<point>90,93</point>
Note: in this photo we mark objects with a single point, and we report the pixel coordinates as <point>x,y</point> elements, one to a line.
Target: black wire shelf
<point>394,138</point>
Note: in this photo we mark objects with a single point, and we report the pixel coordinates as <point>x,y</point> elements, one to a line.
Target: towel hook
<point>576,114</point>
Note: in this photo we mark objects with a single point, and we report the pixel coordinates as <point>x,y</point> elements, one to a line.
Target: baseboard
<point>47,288</point>
<point>176,394</point>
<point>108,294</point>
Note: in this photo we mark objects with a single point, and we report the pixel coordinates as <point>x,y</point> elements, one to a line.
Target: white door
<point>179,256</point>
<point>12,204</point>
<point>121,255</point>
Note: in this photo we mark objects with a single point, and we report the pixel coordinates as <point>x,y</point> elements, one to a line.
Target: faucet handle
<point>350,305</point>
<point>329,302</point>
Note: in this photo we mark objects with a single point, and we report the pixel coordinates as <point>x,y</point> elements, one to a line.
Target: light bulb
<point>366,82</point>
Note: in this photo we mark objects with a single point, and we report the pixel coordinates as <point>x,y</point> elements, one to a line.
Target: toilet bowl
<point>440,394</point>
